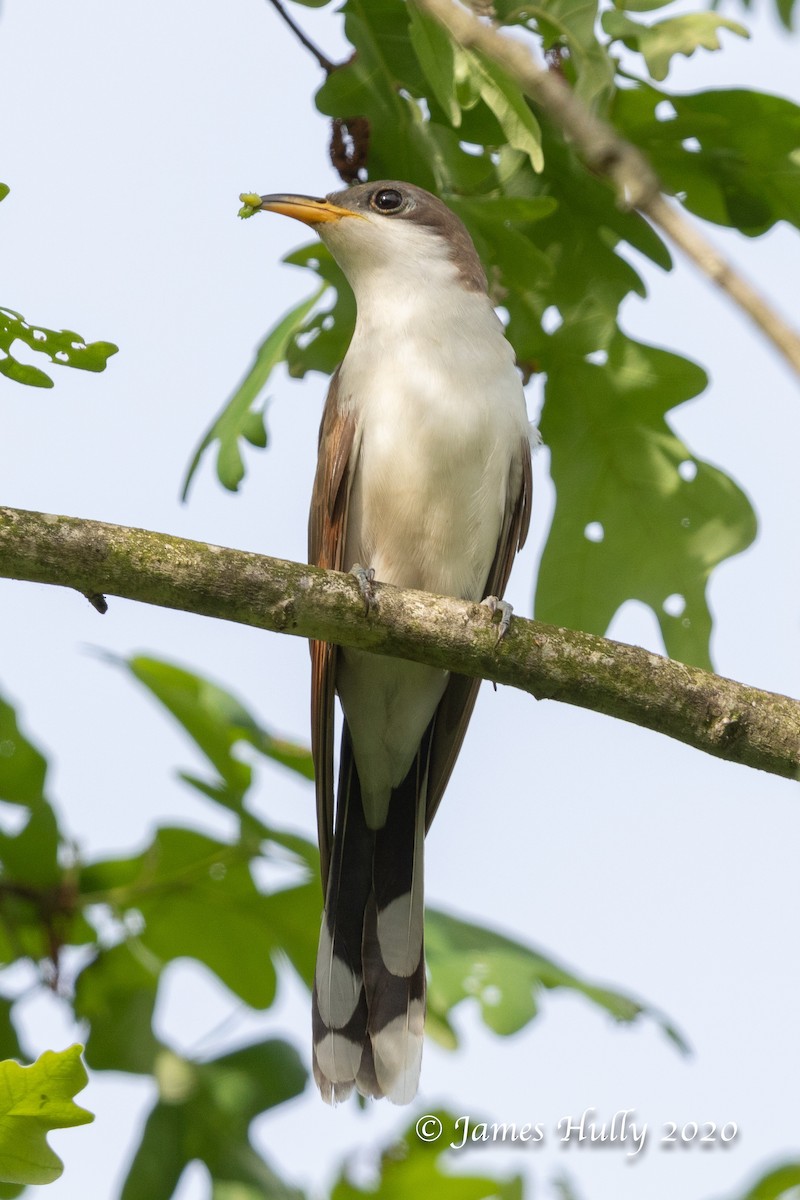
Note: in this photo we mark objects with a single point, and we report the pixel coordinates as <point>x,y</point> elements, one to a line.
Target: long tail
<point>369,988</point>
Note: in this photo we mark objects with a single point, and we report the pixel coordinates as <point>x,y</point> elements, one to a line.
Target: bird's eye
<point>387,200</point>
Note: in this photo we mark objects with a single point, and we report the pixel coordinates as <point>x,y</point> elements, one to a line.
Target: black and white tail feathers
<point>369,988</point>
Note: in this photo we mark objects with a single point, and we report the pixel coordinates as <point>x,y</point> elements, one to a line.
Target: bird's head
<point>387,229</point>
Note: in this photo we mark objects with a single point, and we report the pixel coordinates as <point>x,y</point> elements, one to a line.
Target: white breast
<point>440,413</point>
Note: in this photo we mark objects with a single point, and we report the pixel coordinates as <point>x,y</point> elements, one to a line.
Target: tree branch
<point>727,719</point>
<point>608,154</point>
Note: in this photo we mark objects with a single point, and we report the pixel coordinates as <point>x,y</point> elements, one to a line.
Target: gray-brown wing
<point>327,524</point>
<point>456,705</point>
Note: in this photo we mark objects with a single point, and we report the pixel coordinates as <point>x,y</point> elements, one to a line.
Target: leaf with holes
<point>637,515</point>
<point>33,1101</point>
<point>584,278</point>
<point>64,347</point>
<point>711,149</point>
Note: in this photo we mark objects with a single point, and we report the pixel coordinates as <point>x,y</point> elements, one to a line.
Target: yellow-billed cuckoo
<point>424,474</point>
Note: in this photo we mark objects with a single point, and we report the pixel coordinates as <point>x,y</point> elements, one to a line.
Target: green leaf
<point>204,1113</point>
<point>436,55</point>
<point>504,978</point>
<point>583,272</point>
<point>511,108</point>
<point>116,995</point>
<point>36,911</point>
<point>641,5</point>
<point>254,429</point>
<point>22,372</point>
<point>4,190</point>
<point>732,174</point>
<point>64,347</point>
<point>785,11</point>
<point>320,343</point>
<point>9,1044</point>
<point>413,1166</point>
<point>197,898</point>
<point>22,766</point>
<point>588,68</point>
<point>658,43</point>
<point>217,722</point>
<point>637,514</point>
<point>160,1159</point>
<point>30,857</point>
<point>34,1100</point>
<point>239,418</point>
<point>369,85</point>
<point>293,915</point>
<point>459,173</point>
<point>781,1183</point>
<point>523,269</point>
<point>499,210</point>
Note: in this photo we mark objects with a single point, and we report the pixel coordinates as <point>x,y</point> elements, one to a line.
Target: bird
<point>424,476</point>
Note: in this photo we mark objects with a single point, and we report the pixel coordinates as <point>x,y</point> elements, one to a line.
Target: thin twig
<point>608,154</point>
<point>324,62</point>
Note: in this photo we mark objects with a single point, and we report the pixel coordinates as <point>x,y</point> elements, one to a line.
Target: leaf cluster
<point>246,908</point>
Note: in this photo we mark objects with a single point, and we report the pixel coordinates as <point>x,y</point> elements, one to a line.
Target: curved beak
<point>308,209</point>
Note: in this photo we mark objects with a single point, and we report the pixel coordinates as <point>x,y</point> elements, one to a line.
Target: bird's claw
<point>495,606</point>
<point>365,577</point>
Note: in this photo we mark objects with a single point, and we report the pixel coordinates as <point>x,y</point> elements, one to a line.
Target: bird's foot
<point>365,577</point>
<point>505,610</point>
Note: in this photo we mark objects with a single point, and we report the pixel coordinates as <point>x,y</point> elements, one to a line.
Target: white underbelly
<point>429,492</point>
